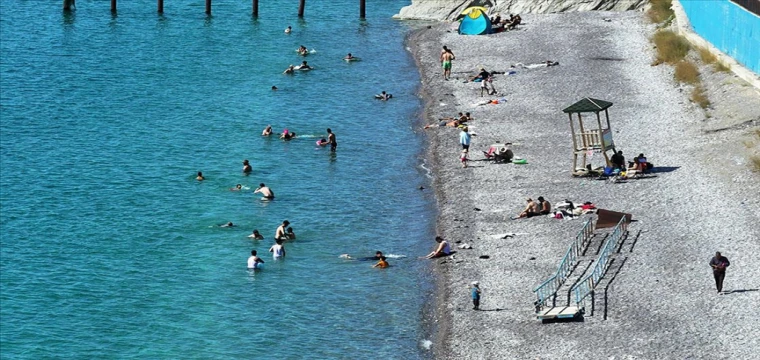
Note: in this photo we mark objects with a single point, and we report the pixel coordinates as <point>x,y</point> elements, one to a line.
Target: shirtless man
<point>265,191</point>
<point>530,210</point>
<point>267,131</point>
<point>291,69</point>
<point>280,233</point>
<point>289,30</point>
<point>247,167</point>
<point>304,66</point>
<point>446,57</point>
<point>200,176</point>
<point>256,235</point>
<point>331,140</point>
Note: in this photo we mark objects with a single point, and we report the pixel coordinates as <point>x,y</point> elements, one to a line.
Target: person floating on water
<point>287,135</point>
<point>378,255</point>
<point>200,176</point>
<point>254,261</point>
<point>247,167</point>
<point>322,142</point>
<point>229,224</point>
<point>381,263</point>
<point>291,69</point>
<point>443,249</point>
<point>303,51</point>
<point>277,249</point>
<point>274,88</point>
<point>289,30</point>
<point>290,234</point>
<point>383,96</point>
<point>348,57</point>
<point>237,187</point>
<point>304,66</point>
<point>267,131</point>
<point>279,234</point>
<point>255,235</point>
<point>331,140</point>
<point>265,191</point>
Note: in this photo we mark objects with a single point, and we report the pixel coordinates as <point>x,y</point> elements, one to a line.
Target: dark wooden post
<point>255,8</point>
<point>160,6</point>
<point>113,6</point>
<point>362,9</point>
<point>67,4</point>
<point>301,5</point>
<point>208,7</point>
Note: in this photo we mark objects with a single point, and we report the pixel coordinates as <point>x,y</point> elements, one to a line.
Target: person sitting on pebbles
<point>530,210</point>
<point>443,249</point>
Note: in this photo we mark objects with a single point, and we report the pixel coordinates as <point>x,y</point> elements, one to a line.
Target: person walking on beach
<point>279,234</point>
<point>463,158</point>
<point>475,292</point>
<point>277,249</point>
<point>719,263</point>
<point>254,261</point>
<point>331,140</point>
<point>464,138</point>
<point>446,58</point>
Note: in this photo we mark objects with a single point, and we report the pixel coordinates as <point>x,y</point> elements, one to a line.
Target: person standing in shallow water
<point>331,140</point>
<point>719,263</point>
<point>247,167</point>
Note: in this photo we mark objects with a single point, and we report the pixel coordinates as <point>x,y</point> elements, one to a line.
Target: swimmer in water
<point>384,96</point>
<point>254,261</point>
<point>348,57</point>
<point>247,167</point>
<point>288,30</point>
<point>255,235</point>
<point>304,66</point>
<point>381,263</point>
<point>200,176</point>
<point>288,135</point>
<point>277,249</point>
<point>265,191</point>
<point>291,69</point>
<point>290,234</point>
<point>302,50</point>
<point>274,88</point>
<point>377,256</point>
<point>267,131</point>
<point>237,187</point>
<point>331,140</point>
<point>229,224</point>
<point>279,234</point>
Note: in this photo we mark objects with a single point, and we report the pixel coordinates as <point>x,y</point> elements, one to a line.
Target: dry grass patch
<point>671,47</point>
<point>710,59</point>
<point>686,72</point>
<point>699,97</point>
<point>660,11</point>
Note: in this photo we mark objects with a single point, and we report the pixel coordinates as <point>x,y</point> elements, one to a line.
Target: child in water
<point>381,264</point>
<point>475,295</point>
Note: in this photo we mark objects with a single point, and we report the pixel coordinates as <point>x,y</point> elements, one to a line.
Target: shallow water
<point>111,248</point>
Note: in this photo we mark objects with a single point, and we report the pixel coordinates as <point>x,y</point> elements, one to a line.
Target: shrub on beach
<point>671,47</point>
<point>699,97</point>
<point>660,10</point>
<point>710,59</point>
<point>686,72</point>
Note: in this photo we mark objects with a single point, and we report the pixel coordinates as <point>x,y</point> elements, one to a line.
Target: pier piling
<point>208,7</point>
<point>362,9</point>
<point>160,6</point>
<point>301,5</point>
<point>113,6</point>
<point>67,4</point>
<point>255,8</point>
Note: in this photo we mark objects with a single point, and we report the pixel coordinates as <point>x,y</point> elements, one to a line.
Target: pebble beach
<point>663,302</point>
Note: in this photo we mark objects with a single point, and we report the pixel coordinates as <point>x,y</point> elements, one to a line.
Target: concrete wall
<point>732,29</point>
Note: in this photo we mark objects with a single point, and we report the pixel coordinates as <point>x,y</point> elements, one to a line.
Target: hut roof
<point>588,105</point>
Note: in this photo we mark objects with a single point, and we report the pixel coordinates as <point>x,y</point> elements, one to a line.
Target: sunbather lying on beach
<point>546,63</point>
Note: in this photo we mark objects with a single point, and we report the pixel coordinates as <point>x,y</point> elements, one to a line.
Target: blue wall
<point>732,29</point>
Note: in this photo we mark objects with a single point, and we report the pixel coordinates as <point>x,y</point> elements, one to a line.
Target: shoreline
<point>607,60</point>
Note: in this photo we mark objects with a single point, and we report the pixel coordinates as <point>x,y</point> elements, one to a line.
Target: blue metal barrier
<point>548,289</point>
<point>586,285</point>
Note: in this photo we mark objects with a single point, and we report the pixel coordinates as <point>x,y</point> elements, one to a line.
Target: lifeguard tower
<point>593,137</point>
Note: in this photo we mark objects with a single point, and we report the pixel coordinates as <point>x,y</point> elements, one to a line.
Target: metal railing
<point>586,285</point>
<point>548,289</point>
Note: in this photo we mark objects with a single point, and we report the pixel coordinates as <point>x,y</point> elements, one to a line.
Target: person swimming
<point>291,69</point>
<point>303,51</point>
<point>304,66</point>
<point>247,167</point>
<point>378,255</point>
<point>274,88</point>
<point>289,30</point>
<point>267,131</point>
<point>256,235</point>
<point>348,57</point>
<point>237,187</point>
<point>229,224</point>
<point>290,234</point>
<point>286,135</point>
<point>381,263</point>
<point>383,96</point>
<point>200,176</point>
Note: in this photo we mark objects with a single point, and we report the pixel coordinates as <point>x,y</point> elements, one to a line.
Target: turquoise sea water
<point>110,248</point>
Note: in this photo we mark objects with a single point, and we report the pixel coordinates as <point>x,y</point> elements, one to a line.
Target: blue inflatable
<point>475,22</point>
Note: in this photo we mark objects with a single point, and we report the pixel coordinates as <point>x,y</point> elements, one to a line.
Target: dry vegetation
<point>710,59</point>
<point>754,158</point>
<point>660,11</point>
<point>699,97</point>
<point>671,47</point>
<point>687,72</point>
